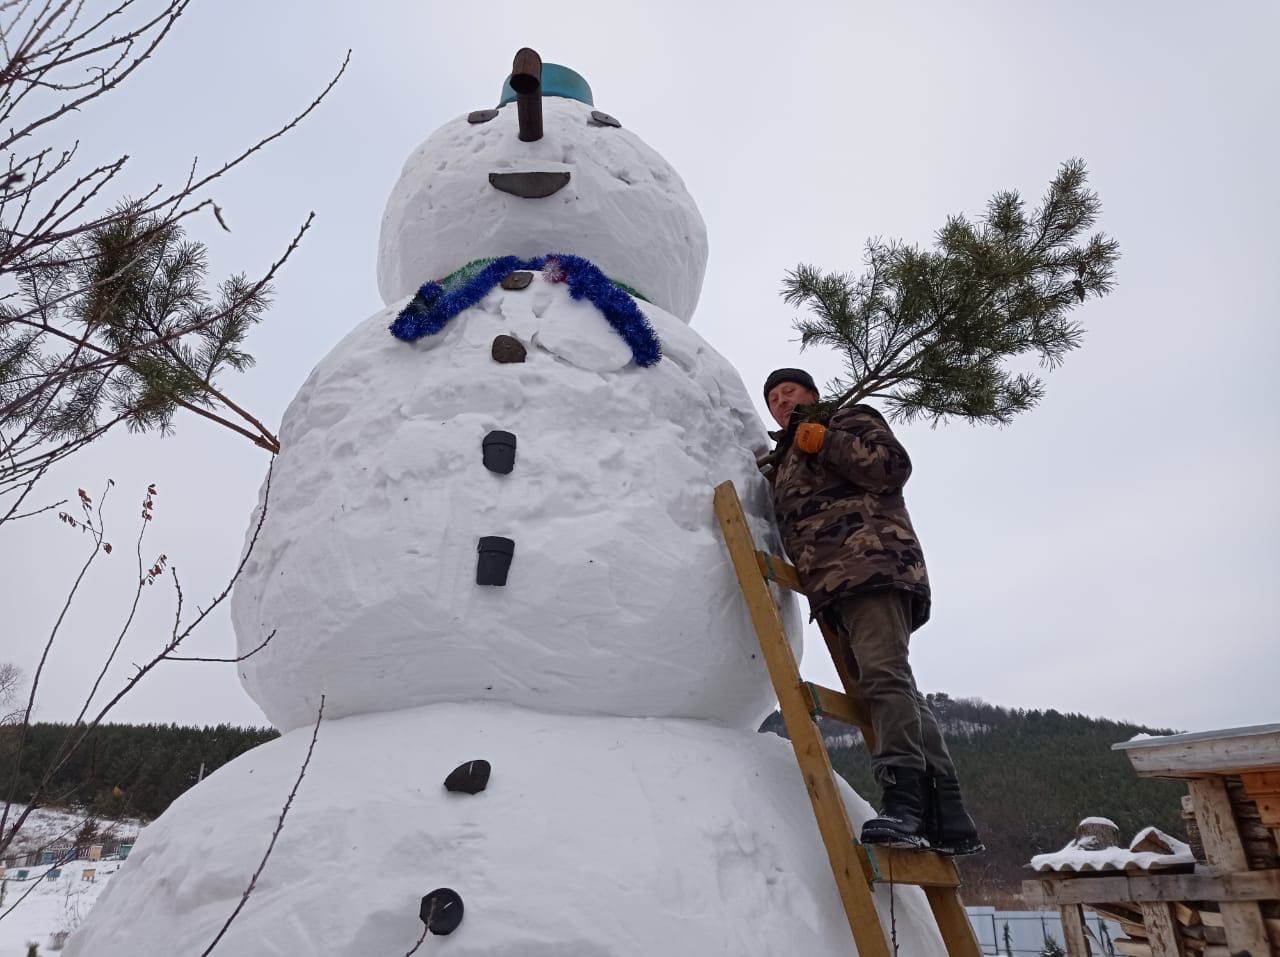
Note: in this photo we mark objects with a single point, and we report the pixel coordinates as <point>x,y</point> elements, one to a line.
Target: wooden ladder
<point>857,867</point>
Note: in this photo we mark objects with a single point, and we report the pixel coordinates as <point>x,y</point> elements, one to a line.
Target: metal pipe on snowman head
<point>526,80</point>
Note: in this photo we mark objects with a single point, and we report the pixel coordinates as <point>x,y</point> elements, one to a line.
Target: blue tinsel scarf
<point>436,303</point>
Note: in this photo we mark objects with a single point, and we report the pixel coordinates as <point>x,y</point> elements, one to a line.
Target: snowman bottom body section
<point>602,837</point>
<point>620,597</point>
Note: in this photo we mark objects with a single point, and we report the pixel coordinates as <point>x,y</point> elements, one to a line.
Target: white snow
<point>1103,821</point>
<point>597,837</point>
<point>624,208</point>
<point>53,905</point>
<point>621,597</point>
<point>36,907</point>
<point>1073,857</point>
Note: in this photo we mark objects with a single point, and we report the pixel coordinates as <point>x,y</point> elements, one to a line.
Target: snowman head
<point>483,186</point>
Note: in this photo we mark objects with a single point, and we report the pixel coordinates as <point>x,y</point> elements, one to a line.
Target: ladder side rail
<point>806,740</point>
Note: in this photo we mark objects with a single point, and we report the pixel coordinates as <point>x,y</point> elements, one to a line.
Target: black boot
<point>901,819</point>
<point>950,829</point>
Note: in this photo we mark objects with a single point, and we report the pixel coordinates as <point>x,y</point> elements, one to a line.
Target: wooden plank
<point>894,865</point>
<point>1264,788</point>
<point>1140,948</point>
<point>1224,851</point>
<point>1073,930</point>
<point>1262,782</point>
<point>835,704</point>
<point>811,752</point>
<point>953,921</point>
<point>1213,752</point>
<point>1117,912</point>
<point>776,570</point>
<point>1162,930</point>
<point>1202,885</point>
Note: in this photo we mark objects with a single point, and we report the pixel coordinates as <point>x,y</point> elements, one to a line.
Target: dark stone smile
<point>529,185</point>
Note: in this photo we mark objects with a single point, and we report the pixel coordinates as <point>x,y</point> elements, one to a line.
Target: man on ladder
<point>837,493</point>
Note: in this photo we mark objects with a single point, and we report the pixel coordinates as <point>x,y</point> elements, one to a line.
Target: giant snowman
<point>490,547</point>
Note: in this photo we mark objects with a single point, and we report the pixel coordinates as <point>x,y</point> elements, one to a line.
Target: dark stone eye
<point>481,116</point>
<point>603,119</point>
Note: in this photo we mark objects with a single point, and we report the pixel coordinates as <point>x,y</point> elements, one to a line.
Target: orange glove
<point>810,436</point>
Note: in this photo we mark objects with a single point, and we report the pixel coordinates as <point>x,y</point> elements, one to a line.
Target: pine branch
<point>929,332</point>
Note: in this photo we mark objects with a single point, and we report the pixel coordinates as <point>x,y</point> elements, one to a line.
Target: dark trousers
<point>875,630</point>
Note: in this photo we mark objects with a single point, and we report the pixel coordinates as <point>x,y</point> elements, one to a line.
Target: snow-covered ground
<point>43,907</point>
<point>39,907</point>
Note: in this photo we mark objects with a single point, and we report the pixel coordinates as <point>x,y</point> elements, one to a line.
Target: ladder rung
<point>900,866</point>
<point>834,704</point>
<point>774,569</point>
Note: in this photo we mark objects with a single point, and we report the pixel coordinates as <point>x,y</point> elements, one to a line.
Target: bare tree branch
<point>284,812</point>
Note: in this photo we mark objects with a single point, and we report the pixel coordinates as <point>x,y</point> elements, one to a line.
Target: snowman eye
<point>602,119</point>
<point>481,116</point>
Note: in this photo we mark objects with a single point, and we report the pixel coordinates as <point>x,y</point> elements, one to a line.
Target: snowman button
<point>441,910</point>
<point>508,349</point>
<point>517,280</point>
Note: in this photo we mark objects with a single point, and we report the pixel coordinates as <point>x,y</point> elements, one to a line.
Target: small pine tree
<point>1008,940</point>
<point>930,332</point>
<point>1052,948</point>
<point>33,950</point>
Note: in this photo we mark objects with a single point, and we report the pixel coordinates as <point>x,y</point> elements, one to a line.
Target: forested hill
<point>123,770</point>
<point>1029,777</point>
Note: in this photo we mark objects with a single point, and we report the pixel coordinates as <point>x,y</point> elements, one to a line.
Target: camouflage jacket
<point>841,513</point>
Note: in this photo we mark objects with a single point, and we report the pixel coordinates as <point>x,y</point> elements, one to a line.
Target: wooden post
<point>953,920</point>
<point>1077,943</point>
<point>1162,928</point>
<point>1242,920</point>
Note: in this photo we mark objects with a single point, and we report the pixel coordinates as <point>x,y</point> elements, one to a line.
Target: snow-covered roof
<point>1080,860</point>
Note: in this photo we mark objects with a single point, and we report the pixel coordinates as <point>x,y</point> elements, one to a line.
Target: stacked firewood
<point>1200,927</point>
<point>1259,842</point>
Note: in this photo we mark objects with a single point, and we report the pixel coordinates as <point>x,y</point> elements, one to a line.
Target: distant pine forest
<point>1029,776</point>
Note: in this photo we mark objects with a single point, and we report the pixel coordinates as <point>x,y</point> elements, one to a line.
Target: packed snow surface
<point>624,207</point>
<point>621,597</point>
<point>602,837</point>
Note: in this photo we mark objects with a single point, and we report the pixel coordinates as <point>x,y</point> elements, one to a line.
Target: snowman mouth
<point>529,185</point>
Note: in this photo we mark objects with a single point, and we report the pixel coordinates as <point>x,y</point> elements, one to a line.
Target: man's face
<point>786,396</point>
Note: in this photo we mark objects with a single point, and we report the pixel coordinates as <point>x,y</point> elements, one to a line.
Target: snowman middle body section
<point>620,597</point>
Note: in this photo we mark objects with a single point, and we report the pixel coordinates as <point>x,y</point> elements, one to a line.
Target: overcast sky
<point>1113,552</point>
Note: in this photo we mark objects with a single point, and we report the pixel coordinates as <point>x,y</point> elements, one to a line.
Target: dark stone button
<point>603,119</point>
<point>518,280</point>
<point>469,778</point>
<point>499,451</point>
<point>441,911</point>
<point>495,559</point>
<point>508,349</point>
<point>481,116</point>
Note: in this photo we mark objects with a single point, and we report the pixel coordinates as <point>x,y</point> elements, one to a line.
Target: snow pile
<point>594,838</point>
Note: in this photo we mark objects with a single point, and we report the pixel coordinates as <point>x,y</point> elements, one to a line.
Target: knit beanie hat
<point>799,376</point>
